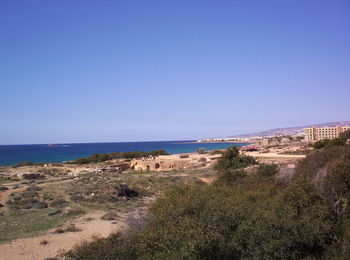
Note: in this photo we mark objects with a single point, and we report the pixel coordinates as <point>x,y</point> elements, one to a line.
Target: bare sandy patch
<point>52,244</point>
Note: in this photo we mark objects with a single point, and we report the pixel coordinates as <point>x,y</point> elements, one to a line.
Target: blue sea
<point>13,154</point>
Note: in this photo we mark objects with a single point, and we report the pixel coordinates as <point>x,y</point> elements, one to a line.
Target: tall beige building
<point>319,133</point>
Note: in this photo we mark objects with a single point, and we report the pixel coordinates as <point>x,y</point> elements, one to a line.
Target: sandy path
<point>207,180</point>
<point>4,195</point>
<point>275,155</point>
<point>32,249</point>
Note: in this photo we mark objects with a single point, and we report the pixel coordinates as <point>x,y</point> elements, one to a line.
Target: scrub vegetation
<point>36,206</point>
<point>245,215</point>
<point>102,157</point>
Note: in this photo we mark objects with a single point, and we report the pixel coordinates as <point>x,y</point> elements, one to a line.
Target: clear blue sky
<point>90,71</point>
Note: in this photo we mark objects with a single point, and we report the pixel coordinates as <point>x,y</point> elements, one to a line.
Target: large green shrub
<point>320,144</point>
<point>230,176</point>
<point>267,170</point>
<point>327,143</point>
<point>345,135</point>
<point>221,222</point>
<point>113,248</point>
<point>315,164</point>
<point>232,159</point>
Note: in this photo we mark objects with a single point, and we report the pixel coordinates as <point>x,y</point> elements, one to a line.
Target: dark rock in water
<point>124,191</point>
<point>33,176</point>
<point>55,212</point>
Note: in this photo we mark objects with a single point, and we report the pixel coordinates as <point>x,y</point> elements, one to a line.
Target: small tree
<point>345,135</point>
<point>320,144</point>
<point>336,142</point>
<point>267,170</point>
<point>231,159</point>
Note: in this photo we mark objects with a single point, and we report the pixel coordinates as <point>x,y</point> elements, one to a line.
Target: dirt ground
<point>274,155</point>
<point>49,243</point>
<point>91,225</point>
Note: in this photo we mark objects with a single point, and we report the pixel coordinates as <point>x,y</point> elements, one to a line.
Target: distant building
<point>318,133</point>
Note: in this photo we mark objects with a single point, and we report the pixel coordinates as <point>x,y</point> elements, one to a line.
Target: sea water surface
<point>13,154</point>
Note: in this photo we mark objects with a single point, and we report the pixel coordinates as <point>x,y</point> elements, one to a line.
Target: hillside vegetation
<point>245,215</point>
<point>102,157</point>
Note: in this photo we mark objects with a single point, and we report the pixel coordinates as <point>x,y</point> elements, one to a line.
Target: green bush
<point>221,222</point>
<point>102,157</point>
<point>113,248</point>
<point>320,144</point>
<point>137,154</point>
<point>345,135</point>
<point>267,170</point>
<point>82,161</point>
<point>231,159</point>
<point>318,160</point>
<point>336,141</point>
<point>58,203</point>
<point>336,184</point>
<point>327,143</point>
<point>230,176</point>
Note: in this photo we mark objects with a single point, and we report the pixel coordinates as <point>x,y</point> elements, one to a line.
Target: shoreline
<point>223,142</point>
<point>177,153</point>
